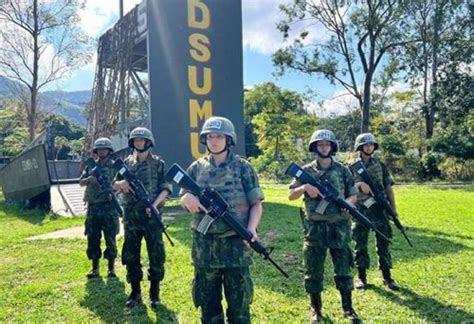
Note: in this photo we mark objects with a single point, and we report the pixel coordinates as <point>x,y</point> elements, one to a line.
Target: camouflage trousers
<point>221,261</point>
<point>319,237</point>
<point>360,235</point>
<point>139,226</point>
<point>101,218</point>
<point>238,290</point>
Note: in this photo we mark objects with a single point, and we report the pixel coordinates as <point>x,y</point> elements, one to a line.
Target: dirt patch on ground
<point>77,232</point>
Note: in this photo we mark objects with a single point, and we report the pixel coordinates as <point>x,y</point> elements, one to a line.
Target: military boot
<point>316,307</point>
<point>135,297</point>
<point>94,273</point>
<point>215,319</point>
<point>155,293</point>
<point>362,282</point>
<point>388,281</point>
<point>349,312</point>
<point>111,270</point>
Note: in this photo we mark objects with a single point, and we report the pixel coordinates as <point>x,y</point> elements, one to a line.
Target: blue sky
<point>260,40</point>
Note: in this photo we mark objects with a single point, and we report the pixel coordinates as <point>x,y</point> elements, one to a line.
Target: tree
<point>361,34</point>
<point>444,30</point>
<point>280,125</point>
<point>40,42</point>
<point>13,137</point>
<point>264,97</point>
<point>283,137</point>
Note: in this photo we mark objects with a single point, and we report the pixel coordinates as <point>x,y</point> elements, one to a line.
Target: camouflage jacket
<point>235,179</point>
<point>93,194</point>
<point>340,177</point>
<point>151,173</point>
<point>378,171</point>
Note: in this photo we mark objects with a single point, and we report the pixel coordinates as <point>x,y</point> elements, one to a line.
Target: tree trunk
<point>365,118</point>
<point>432,106</point>
<point>34,83</point>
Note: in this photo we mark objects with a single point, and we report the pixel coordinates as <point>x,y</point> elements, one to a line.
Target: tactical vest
<point>375,170</point>
<point>93,194</point>
<point>227,180</point>
<point>319,209</point>
<point>150,172</point>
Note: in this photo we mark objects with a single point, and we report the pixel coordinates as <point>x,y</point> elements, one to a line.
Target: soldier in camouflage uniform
<point>220,257</point>
<point>366,145</point>
<point>326,226</point>
<point>138,223</point>
<point>101,215</point>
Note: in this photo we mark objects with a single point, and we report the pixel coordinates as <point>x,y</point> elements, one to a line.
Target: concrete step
<point>67,199</point>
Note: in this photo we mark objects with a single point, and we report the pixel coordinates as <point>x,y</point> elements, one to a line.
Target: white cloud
<point>340,103</point>
<point>99,15</point>
<point>259,20</point>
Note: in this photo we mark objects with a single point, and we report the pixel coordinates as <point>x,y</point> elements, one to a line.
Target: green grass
<point>44,281</point>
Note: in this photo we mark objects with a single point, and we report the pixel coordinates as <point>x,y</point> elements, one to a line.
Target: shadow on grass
<point>429,308</point>
<point>107,300</point>
<point>33,216</point>
<point>282,229</point>
<point>426,243</point>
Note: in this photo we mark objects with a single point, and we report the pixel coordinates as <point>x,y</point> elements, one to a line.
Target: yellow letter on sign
<point>193,21</point>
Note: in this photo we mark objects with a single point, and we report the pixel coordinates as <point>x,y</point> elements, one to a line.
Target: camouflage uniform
<point>138,224</point>
<point>101,216</point>
<point>220,257</point>
<point>326,227</point>
<point>379,173</point>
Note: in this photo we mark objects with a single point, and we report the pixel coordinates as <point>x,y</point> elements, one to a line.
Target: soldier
<point>101,215</point>
<point>366,145</point>
<point>220,257</point>
<point>326,226</point>
<point>138,223</point>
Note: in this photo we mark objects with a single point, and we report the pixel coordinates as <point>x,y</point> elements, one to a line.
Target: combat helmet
<point>102,143</point>
<point>141,132</point>
<point>322,135</point>
<point>365,138</point>
<point>219,125</point>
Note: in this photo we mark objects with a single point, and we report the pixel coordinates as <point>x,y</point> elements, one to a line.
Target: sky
<point>260,40</point>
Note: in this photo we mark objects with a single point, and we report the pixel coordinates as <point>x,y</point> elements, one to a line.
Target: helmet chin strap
<point>368,154</point>
<point>147,147</point>
<point>226,147</point>
<point>221,151</point>
<point>323,156</point>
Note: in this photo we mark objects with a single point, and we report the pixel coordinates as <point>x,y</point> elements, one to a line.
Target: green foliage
<point>58,125</point>
<point>283,138</point>
<point>454,168</point>
<point>266,96</point>
<point>280,127</point>
<point>16,141</point>
<point>13,136</point>
<point>456,141</point>
<point>44,280</point>
<point>345,128</point>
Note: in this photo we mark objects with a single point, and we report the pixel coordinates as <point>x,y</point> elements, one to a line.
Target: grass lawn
<point>44,281</point>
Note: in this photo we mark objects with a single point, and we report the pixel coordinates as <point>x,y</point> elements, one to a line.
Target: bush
<point>453,168</point>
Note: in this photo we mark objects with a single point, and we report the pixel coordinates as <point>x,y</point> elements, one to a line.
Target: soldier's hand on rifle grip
<point>364,188</point>
<point>123,186</point>
<point>351,200</point>
<point>192,204</point>
<point>254,237</point>
<point>312,191</point>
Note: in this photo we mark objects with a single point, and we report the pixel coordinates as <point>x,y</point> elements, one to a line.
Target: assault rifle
<point>217,207</point>
<point>330,194</point>
<point>105,183</point>
<point>379,196</point>
<point>140,194</point>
